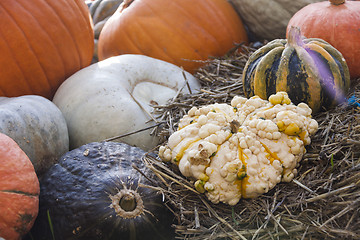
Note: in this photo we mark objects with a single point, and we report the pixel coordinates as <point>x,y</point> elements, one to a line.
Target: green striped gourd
<point>310,70</point>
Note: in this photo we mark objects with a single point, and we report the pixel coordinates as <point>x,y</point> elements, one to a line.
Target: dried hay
<point>322,202</point>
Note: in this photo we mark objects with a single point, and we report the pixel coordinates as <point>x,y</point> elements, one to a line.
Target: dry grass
<point>322,202</point>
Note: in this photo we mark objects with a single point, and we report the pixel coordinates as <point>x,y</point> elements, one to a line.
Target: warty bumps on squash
<point>182,32</point>
<point>42,43</point>
<point>241,150</point>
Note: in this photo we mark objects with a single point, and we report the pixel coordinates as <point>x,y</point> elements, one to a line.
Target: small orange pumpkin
<point>338,23</point>
<point>19,191</point>
<point>41,44</point>
<point>176,31</point>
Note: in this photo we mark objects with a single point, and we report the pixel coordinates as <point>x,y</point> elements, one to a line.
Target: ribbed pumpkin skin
<point>77,194</point>
<point>19,191</point>
<point>337,24</point>
<point>37,126</point>
<point>177,31</point>
<point>298,67</point>
<point>42,43</point>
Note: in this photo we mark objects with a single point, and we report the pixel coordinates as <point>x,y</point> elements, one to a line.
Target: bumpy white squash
<point>116,96</point>
<point>241,150</point>
<point>37,126</point>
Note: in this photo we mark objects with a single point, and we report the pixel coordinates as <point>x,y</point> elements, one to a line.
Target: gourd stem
<point>125,4</point>
<point>337,2</point>
<point>294,37</point>
<point>128,202</point>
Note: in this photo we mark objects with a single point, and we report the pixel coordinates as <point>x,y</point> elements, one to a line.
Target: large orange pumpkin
<point>19,191</point>
<point>41,44</point>
<point>338,23</point>
<point>176,31</point>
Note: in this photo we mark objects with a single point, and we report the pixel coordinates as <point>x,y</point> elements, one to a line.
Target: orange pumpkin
<point>19,191</point>
<point>176,31</point>
<point>338,23</point>
<point>41,44</point>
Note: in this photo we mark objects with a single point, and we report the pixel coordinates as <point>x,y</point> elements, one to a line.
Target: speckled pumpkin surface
<point>38,126</point>
<point>88,195</point>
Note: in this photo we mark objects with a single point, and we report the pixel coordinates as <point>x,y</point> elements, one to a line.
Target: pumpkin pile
<point>138,119</point>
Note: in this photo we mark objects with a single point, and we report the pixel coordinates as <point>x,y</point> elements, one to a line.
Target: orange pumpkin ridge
<point>183,32</point>
<point>42,44</point>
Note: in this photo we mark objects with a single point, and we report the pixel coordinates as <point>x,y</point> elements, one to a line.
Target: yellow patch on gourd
<point>292,129</point>
<point>191,122</point>
<point>271,155</point>
<point>180,154</point>
<point>243,178</point>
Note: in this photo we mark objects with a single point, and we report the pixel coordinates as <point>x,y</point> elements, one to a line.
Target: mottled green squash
<point>309,70</point>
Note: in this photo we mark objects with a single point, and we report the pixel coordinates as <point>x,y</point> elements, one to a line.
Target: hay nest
<point>322,202</point>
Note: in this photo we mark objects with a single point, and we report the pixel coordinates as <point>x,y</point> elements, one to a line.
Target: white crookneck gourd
<point>241,150</point>
<point>117,96</point>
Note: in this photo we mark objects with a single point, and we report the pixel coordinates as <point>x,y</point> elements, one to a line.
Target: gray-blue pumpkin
<point>37,126</point>
<point>94,192</point>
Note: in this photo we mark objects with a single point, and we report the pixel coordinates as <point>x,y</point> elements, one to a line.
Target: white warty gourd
<point>241,150</point>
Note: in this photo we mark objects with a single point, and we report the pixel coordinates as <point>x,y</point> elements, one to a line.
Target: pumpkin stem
<point>125,4</point>
<point>294,37</point>
<point>337,2</point>
<point>128,202</point>
<point>234,125</point>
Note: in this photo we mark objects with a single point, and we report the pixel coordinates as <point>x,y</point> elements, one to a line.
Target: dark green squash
<point>94,192</point>
<point>309,70</point>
